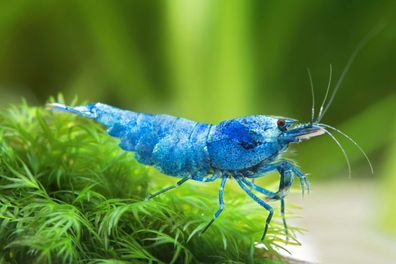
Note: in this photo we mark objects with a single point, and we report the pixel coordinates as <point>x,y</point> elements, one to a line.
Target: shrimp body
<point>180,147</point>
<point>242,149</point>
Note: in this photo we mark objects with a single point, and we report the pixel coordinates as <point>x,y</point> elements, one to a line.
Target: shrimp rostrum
<point>242,149</point>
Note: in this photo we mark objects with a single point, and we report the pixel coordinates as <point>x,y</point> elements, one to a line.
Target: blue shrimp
<point>242,149</point>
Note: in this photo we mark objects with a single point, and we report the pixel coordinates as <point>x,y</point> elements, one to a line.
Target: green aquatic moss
<point>69,194</point>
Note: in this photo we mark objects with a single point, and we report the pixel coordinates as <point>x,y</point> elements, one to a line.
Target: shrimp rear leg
<point>260,202</point>
<point>196,178</point>
<point>221,202</point>
<point>168,188</point>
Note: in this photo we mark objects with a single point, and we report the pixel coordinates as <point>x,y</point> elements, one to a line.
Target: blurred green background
<point>214,60</point>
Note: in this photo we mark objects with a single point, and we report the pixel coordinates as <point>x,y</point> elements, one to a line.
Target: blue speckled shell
<point>242,143</point>
<point>181,147</point>
<point>175,146</point>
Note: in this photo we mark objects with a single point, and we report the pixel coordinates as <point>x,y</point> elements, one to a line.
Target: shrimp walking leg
<point>284,219</point>
<point>260,202</point>
<point>196,178</point>
<point>257,188</point>
<point>274,196</point>
<point>168,188</point>
<point>212,178</point>
<point>221,202</point>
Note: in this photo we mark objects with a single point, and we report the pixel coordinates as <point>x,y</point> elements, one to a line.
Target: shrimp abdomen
<point>175,146</point>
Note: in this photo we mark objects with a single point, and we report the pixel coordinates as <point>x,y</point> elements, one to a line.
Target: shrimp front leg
<point>282,165</point>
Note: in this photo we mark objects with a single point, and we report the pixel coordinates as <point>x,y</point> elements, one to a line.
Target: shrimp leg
<point>257,188</point>
<point>196,178</point>
<point>260,202</point>
<point>221,202</point>
<point>169,188</point>
<point>282,165</point>
<point>284,219</point>
<point>270,195</point>
<point>207,179</point>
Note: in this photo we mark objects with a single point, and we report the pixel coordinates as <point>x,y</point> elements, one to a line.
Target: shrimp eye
<point>281,123</point>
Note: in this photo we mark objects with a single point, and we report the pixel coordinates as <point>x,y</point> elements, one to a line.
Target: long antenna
<point>351,59</point>
<point>327,92</point>
<point>313,96</point>
<point>343,151</point>
<point>353,142</point>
